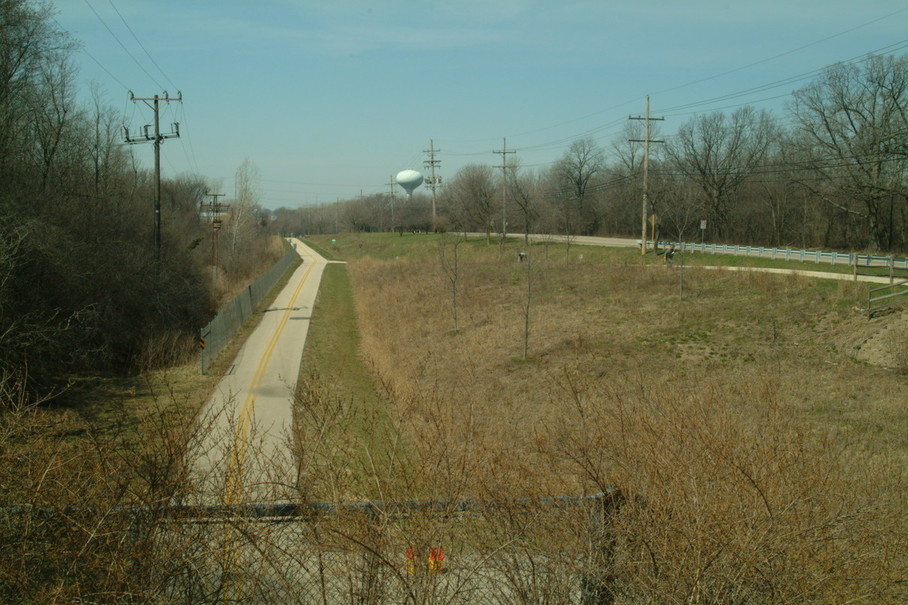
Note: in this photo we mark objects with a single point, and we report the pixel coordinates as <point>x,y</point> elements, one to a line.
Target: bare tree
<point>28,45</point>
<point>524,190</point>
<point>852,122</point>
<point>574,176</point>
<point>627,148</point>
<point>470,197</point>
<point>450,264</point>
<point>718,153</point>
<point>241,223</point>
<point>107,157</point>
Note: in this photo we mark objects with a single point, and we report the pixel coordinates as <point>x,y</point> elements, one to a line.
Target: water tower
<point>409,180</point>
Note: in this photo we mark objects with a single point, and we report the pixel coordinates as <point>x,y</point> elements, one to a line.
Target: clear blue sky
<point>331,97</point>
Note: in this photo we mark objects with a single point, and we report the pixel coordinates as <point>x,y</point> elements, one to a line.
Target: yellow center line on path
<point>241,438</point>
<point>234,482</point>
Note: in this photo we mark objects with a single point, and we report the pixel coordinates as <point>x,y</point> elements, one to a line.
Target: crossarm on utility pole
<point>646,141</point>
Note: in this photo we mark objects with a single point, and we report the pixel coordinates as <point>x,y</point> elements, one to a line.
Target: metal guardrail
<point>790,254</point>
<point>874,265</point>
<point>230,317</point>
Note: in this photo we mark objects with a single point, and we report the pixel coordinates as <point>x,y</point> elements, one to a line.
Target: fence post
<point>854,267</point>
<point>597,582</point>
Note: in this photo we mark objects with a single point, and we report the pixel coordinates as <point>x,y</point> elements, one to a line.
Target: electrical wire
<point>679,110</point>
<point>123,46</point>
<point>139,42</point>
<point>783,54</point>
<point>186,132</point>
<point>894,47</point>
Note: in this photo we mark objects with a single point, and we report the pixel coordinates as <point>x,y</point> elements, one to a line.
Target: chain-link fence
<point>217,334</point>
<point>545,550</point>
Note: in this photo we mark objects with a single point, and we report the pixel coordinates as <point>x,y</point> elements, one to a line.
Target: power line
<point>762,88</point>
<point>123,46</point>
<point>769,86</point>
<point>190,152</point>
<point>783,54</point>
<point>98,63</point>
<point>142,46</point>
<point>789,80</point>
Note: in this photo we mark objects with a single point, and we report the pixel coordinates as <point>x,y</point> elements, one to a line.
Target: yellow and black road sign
<point>201,342</point>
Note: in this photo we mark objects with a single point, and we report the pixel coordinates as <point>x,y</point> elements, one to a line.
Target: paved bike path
<point>243,453</point>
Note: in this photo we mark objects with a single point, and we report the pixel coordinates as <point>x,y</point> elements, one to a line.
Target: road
<point>748,251</point>
<point>243,452</point>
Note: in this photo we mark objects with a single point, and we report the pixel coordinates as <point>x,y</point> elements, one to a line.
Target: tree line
<point>80,288</point>
<point>830,173</point>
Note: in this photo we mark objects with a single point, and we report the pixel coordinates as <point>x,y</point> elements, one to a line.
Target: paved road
<point>244,452</point>
<point>615,242</point>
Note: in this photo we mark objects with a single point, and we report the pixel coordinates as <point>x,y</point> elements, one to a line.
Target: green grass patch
<point>332,346</point>
<point>338,412</point>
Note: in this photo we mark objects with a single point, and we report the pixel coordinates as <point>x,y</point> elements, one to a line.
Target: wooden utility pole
<point>214,208</point>
<point>646,141</point>
<point>158,138</point>
<point>391,183</point>
<point>433,181</point>
<point>504,186</point>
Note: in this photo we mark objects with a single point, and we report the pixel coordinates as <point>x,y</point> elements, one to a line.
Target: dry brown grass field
<point>759,459</point>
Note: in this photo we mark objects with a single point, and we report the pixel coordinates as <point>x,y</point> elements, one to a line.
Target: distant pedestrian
<point>521,256</point>
<point>670,255</point>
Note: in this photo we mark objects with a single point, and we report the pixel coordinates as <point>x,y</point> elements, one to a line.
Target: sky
<point>328,99</point>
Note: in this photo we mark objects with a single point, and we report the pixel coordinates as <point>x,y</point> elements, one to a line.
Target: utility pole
<point>433,181</point>
<point>214,209</point>
<point>391,183</point>
<point>504,186</point>
<point>158,138</point>
<point>646,141</point>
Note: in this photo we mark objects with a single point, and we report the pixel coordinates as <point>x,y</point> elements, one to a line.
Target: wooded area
<point>79,285</point>
<point>829,173</point>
